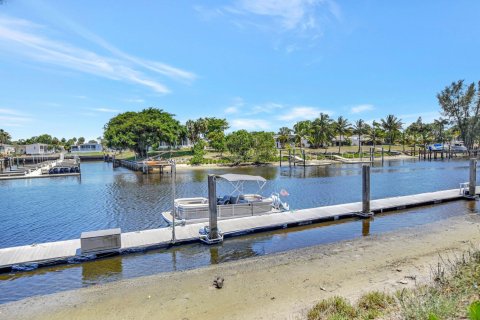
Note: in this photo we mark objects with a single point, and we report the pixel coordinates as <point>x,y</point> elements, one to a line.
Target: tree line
<point>460,108</point>
<point>149,128</point>
<point>52,142</point>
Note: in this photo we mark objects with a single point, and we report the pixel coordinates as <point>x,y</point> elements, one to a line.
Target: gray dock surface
<point>63,251</point>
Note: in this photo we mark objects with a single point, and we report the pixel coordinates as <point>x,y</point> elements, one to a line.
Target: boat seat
<point>224,200</point>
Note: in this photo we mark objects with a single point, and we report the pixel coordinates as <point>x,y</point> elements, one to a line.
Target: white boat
<point>235,205</point>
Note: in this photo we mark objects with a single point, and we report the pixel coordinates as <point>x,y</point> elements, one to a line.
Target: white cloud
<point>106,110</point>
<point>21,37</point>
<point>236,105</point>
<point>302,113</point>
<point>13,118</point>
<point>268,107</point>
<point>250,124</point>
<point>135,100</point>
<point>304,18</point>
<point>10,112</point>
<point>292,14</point>
<point>361,108</point>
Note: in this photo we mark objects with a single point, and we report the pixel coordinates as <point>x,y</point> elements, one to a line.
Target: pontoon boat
<point>234,205</point>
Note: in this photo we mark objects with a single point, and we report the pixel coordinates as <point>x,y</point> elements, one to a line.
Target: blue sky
<point>67,67</point>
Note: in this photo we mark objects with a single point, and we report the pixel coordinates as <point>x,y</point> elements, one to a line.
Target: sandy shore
<point>281,286</point>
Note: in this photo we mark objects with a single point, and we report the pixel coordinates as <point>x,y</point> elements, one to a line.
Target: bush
<point>334,308</point>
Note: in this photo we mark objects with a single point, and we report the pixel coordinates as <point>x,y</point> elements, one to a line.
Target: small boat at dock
<point>234,205</point>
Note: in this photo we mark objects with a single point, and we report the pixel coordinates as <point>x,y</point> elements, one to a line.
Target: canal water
<point>41,210</point>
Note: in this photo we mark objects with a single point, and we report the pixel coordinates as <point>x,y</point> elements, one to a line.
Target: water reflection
<point>41,210</point>
<point>366,227</point>
<point>19,285</point>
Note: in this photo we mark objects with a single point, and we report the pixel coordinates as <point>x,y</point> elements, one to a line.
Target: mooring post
<point>174,177</point>
<point>303,152</point>
<point>294,160</point>
<point>366,190</point>
<point>280,157</point>
<point>383,156</point>
<point>212,206</point>
<point>289,158</point>
<point>473,178</point>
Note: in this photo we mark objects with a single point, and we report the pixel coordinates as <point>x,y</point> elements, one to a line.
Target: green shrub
<point>333,308</point>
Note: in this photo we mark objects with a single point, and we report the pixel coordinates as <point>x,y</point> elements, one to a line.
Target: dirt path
<point>281,286</point>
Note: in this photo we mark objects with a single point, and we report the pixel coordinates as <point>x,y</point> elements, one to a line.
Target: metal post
<point>473,178</point>
<point>212,206</point>
<point>174,177</point>
<point>366,190</point>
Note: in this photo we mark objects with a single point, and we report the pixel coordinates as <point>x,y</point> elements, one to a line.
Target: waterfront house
<point>20,149</point>
<point>87,147</point>
<point>6,149</point>
<point>184,143</point>
<point>38,148</point>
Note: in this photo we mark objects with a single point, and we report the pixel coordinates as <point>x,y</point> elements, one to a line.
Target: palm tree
<point>359,128</point>
<point>322,130</point>
<point>439,128</point>
<point>392,126</point>
<point>342,128</point>
<point>4,136</point>
<point>192,133</point>
<point>302,130</point>
<point>374,133</point>
<point>284,135</point>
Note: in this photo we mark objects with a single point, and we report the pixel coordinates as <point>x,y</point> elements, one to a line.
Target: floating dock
<point>69,251</point>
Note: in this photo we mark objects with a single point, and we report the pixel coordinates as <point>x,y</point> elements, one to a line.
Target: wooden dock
<point>69,250</point>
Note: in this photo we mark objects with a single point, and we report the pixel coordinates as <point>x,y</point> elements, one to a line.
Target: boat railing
<point>195,209</point>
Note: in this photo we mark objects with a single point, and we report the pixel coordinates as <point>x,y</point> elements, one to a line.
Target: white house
<point>183,144</point>
<point>20,149</point>
<point>6,149</point>
<point>87,147</point>
<point>38,148</point>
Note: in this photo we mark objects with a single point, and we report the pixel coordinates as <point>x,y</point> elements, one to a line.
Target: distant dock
<point>68,251</point>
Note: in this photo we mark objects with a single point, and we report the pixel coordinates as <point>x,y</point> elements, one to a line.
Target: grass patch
<point>370,306</point>
<point>454,293</point>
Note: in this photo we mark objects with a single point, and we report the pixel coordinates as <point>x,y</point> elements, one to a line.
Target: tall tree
<point>374,133</point>
<point>460,103</point>
<point>342,128</point>
<point>392,126</point>
<point>360,128</point>
<point>322,130</point>
<point>239,144</point>
<point>303,131</point>
<point>81,140</point>
<point>263,146</point>
<point>139,130</point>
<point>284,135</point>
<point>5,137</point>
<point>439,126</point>
<point>192,131</point>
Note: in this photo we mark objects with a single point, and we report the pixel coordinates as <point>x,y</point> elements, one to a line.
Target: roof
<point>241,177</point>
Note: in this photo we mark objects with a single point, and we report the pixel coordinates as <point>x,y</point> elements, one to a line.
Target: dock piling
<point>366,191</point>
<point>212,206</point>
<point>473,179</point>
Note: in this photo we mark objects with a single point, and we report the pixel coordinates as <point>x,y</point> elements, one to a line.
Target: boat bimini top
<point>238,180</point>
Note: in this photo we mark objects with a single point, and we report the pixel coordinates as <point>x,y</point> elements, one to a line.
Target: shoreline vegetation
<point>154,128</point>
<point>388,276</point>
